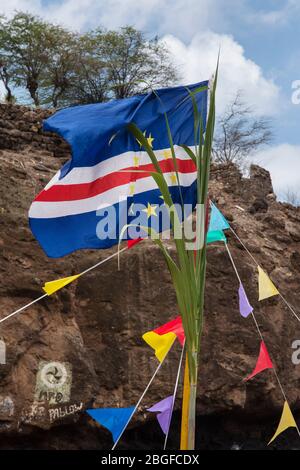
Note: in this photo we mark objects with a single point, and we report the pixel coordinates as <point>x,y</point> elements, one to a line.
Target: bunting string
<point>174,394</point>
<point>21,309</point>
<point>219,214</point>
<point>102,262</point>
<point>141,397</point>
<point>257,264</point>
<point>259,331</point>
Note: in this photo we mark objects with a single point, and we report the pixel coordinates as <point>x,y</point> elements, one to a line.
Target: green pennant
<point>215,236</point>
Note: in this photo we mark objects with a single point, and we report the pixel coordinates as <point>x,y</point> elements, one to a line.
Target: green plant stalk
<point>196,354</point>
<point>203,158</point>
<point>187,271</point>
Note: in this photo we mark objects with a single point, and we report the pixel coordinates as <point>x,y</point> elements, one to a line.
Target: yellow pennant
<point>266,287</point>
<point>286,421</point>
<point>160,343</point>
<point>53,286</point>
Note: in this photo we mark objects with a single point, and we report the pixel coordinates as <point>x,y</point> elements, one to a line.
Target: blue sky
<point>260,54</point>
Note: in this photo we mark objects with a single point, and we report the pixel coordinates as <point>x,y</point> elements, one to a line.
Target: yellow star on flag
<point>131,189</point>
<point>173,178</point>
<point>150,210</point>
<point>167,154</point>
<point>149,139</point>
<point>136,160</point>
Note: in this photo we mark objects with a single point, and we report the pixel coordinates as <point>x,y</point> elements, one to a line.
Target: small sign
<point>53,383</point>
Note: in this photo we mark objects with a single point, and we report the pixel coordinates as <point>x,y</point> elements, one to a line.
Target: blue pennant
<point>114,419</point>
<point>217,220</point>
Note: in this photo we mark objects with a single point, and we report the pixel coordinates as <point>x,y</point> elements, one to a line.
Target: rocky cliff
<point>88,336</point>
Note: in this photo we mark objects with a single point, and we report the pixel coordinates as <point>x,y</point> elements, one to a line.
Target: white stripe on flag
<point>47,210</point>
<point>89,174</point>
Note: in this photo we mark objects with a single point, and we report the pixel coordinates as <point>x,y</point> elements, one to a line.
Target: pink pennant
<point>263,362</point>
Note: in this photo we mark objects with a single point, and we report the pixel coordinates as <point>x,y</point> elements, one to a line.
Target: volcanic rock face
<point>82,347</point>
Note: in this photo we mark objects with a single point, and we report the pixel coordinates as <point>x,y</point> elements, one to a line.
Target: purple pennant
<point>245,307</point>
<point>164,410</point>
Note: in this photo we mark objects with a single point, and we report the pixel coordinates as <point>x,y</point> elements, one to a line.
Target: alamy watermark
<point>296,92</point>
<point>153,221</point>
<point>2,352</point>
<point>296,353</point>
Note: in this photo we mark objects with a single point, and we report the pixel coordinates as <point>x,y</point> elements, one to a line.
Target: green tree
<point>6,78</point>
<point>26,42</point>
<point>88,82</point>
<point>60,69</point>
<point>133,64</point>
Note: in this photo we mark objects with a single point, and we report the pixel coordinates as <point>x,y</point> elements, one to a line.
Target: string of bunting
<point>53,286</point>
<point>162,338</point>
<point>266,290</point>
<point>266,287</point>
<point>264,361</point>
<point>116,420</point>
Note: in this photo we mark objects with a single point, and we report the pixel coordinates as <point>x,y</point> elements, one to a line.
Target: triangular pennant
<point>217,220</point>
<point>53,286</point>
<point>160,343</point>
<point>164,410</point>
<point>263,361</point>
<point>114,419</point>
<point>266,287</point>
<point>215,236</point>
<point>286,421</point>
<point>245,307</point>
<point>131,243</point>
<point>173,326</point>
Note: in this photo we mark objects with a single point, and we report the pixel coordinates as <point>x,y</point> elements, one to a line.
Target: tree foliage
<point>57,67</point>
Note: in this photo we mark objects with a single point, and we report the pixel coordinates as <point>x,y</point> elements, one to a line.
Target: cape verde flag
<point>101,174</point>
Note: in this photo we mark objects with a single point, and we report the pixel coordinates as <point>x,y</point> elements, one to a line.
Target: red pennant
<point>131,243</point>
<point>263,361</point>
<point>173,326</point>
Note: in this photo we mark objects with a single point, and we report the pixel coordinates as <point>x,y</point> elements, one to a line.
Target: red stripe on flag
<point>74,192</point>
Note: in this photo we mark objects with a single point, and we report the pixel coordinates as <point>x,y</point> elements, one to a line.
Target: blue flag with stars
<point>107,182</point>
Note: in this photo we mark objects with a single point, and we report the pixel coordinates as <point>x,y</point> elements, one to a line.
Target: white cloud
<point>187,26</point>
<point>195,53</point>
<point>197,61</point>
<point>179,17</point>
<point>32,6</point>
<point>283,162</point>
<point>277,17</point>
